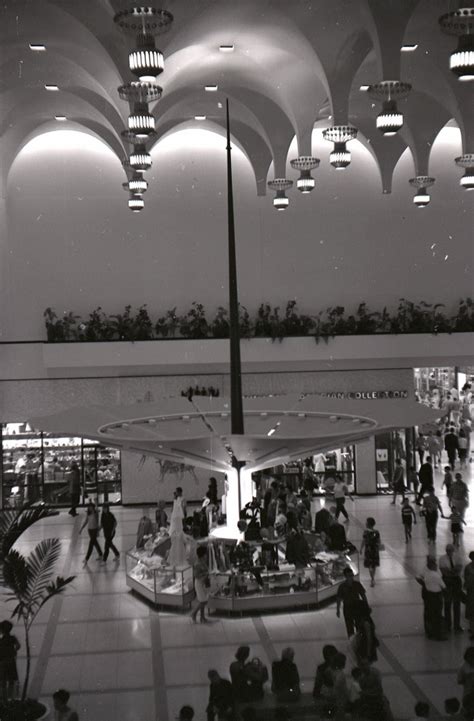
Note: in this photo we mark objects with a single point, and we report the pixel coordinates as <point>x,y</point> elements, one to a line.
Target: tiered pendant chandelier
<point>461,23</point>
<point>466,161</point>
<point>340,157</point>
<point>305,164</point>
<point>146,63</point>
<point>390,120</point>
<point>422,197</point>
<point>280,185</point>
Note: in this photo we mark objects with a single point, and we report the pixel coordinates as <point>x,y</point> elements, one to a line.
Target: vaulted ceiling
<point>295,65</point>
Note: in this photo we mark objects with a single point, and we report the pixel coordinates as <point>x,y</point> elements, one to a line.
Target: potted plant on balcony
<point>29,584</point>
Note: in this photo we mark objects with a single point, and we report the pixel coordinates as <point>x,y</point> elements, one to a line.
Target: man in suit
<point>425,475</point>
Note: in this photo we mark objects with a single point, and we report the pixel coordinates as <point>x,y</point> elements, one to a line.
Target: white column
<point>366,474</point>
<point>232,496</point>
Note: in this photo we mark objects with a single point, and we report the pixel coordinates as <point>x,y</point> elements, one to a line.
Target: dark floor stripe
<point>161,697</point>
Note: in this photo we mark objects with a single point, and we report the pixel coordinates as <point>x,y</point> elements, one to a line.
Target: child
<point>457,522</point>
<point>413,480</point>
<point>448,480</point>
<point>408,518</point>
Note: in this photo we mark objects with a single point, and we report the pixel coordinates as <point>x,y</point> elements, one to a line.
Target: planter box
<point>263,354</point>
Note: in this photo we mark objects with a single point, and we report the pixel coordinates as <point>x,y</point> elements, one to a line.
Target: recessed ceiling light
<point>199,117</point>
<point>37,47</point>
<point>364,88</point>
<point>409,48</point>
<point>51,87</point>
<point>61,118</point>
<point>271,431</point>
<point>226,48</point>
<point>211,88</point>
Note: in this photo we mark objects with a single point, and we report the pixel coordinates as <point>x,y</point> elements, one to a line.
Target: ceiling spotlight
<point>333,419</point>
<point>146,62</point>
<point>152,422</point>
<point>364,88</point>
<point>422,197</point>
<point>390,120</point>
<point>466,161</point>
<point>226,48</point>
<point>141,121</point>
<point>140,160</point>
<point>280,185</point>
<point>340,157</point>
<point>409,48</point>
<point>60,118</point>
<point>136,204</point>
<point>305,164</point>
<point>136,184</point>
<point>52,88</point>
<point>37,47</point>
<point>199,117</point>
<point>211,88</point>
<point>461,23</point>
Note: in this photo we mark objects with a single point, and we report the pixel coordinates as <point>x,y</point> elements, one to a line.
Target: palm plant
<point>28,580</point>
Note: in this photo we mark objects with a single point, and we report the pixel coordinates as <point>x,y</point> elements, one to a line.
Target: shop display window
<point>390,447</point>
<point>323,470</point>
<point>38,467</point>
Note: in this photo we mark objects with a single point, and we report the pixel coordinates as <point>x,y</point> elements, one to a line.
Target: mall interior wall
<point>71,243</point>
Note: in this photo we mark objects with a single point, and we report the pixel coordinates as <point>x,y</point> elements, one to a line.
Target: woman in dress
<point>469,589</point>
<point>201,584</point>
<point>371,548</point>
<point>178,514</point>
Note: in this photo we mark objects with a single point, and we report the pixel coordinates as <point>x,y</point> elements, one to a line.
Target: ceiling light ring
<point>458,22</point>
<point>340,133</point>
<point>465,161</point>
<point>305,162</point>
<point>389,90</point>
<point>143,19</point>
<point>280,184</point>
<point>140,92</point>
<point>131,137</point>
<point>422,181</point>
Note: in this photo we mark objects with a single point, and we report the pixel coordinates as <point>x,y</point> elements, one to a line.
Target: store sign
<point>367,395</point>
<point>382,454</point>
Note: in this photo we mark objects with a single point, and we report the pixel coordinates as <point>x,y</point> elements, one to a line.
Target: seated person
<point>322,520</point>
<point>285,677</point>
<point>324,681</point>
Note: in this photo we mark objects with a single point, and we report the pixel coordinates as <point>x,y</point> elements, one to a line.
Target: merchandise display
<point>247,583</point>
<point>148,573</point>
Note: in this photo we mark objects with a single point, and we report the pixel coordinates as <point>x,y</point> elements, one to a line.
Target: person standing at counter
<point>92,523</point>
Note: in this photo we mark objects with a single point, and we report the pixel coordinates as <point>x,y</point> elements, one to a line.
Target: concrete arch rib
<point>421,136</point>
<point>250,142</point>
<point>386,154</point>
<point>388,20</point>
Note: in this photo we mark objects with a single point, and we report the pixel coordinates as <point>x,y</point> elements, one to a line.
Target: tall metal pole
<point>236,407</point>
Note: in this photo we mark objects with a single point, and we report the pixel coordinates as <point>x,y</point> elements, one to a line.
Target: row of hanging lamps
<point>461,24</point>
<point>146,63</point>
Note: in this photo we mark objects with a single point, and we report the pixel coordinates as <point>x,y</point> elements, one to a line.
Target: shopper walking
<point>371,547</point>
<point>92,523</point>
<point>74,481</point>
<point>221,699</point>
<point>201,584</point>
<point>431,507</point>
<point>340,492</point>
<point>469,590</point>
<point>349,594</point>
<point>366,642</point>
<point>451,446</point>
<point>462,448</point>
<point>457,523</point>
<point>108,523</point>
<point>459,497</point>
<point>408,518</point>
<point>425,474</point>
<point>421,447</point>
<point>398,481</point>
<point>450,566</point>
<point>432,593</point>
<point>62,710</point>
<point>448,480</point>
<point>9,647</point>
<point>434,448</point>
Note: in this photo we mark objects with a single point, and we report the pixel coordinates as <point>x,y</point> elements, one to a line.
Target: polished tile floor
<point>124,661</point>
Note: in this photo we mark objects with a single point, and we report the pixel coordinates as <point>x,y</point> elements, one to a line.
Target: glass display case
<point>286,587</point>
<point>152,578</point>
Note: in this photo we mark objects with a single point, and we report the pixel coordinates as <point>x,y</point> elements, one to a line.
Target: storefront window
<point>40,467</point>
<point>390,447</point>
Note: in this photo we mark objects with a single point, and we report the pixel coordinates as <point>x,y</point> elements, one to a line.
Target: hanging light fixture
<point>137,184</point>
<point>461,23</point>
<point>143,19</point>
<point>422,197</point>
<point>390,120</point>
<point>305,164</point>
<point>146,61</point>
<point>136,202</point>
<point>340,156</point>
<point>141,121</point>
<point>139,159</point>
<point>466,161</point>
<point>280,185</point>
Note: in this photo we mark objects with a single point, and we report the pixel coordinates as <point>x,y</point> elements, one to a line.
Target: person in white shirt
<point>340,492</point>
<point>433,587</point>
